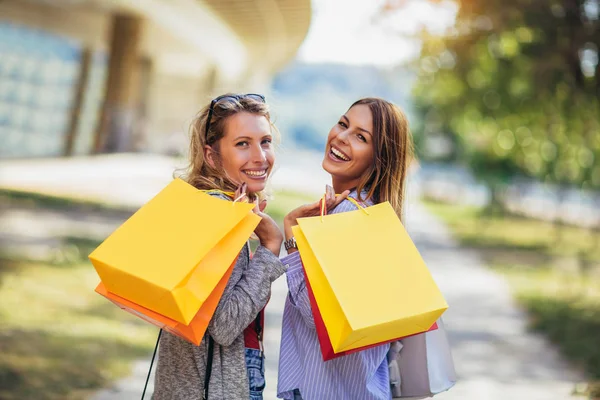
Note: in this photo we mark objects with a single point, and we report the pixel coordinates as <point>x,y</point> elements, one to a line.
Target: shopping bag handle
<point>352,200</point>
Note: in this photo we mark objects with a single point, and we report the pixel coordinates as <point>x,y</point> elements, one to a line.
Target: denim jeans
<point>255,365</point>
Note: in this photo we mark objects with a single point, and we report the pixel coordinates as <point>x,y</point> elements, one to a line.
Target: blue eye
<point>267,141</point>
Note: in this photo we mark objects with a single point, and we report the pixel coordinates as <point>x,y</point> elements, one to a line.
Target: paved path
<point>496,358</point>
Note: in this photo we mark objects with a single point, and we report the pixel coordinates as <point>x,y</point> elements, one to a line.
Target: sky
<point>349,32</point>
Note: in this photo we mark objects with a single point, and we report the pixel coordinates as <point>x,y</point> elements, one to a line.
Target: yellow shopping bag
<point>170,255</point>
<point>369,281</point>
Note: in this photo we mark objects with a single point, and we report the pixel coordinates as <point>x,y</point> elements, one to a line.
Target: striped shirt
<point>363,375</point>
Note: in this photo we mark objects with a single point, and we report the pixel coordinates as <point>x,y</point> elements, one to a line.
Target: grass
<point>285,201</point>
<point>565,306</point>
<point>59,339</point>
<point>517,234</point>
<point>563,302</point>
<point>69,251</point>
<point>47,201</point>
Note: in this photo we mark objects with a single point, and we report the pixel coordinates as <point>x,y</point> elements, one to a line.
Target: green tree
<point>516,82</point>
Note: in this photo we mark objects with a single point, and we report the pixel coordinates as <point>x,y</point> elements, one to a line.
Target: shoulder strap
<point>151,363</point>
<point>258,325</point>
<point>209,361</point>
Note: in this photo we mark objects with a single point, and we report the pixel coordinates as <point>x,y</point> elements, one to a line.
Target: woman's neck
<point>340,185</point>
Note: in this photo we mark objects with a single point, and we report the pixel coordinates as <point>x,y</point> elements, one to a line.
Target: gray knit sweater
<point>181,365</point>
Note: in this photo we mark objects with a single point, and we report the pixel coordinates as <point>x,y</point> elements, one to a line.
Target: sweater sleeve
<point>298,293</point>
<point>242,300</point>
<point>244,296</point>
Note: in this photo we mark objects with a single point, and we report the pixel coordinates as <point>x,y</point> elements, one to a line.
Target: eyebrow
<point>249,138</point>
<point>358,127</point>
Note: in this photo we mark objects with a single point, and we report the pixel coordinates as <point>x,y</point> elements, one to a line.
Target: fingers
<point>240,193</point>
<point>329,193</point>
<point>240,190</point>
<point>328,199</point>
<point>343,196</point>
<point>262,205</point>
<point>332,200</point>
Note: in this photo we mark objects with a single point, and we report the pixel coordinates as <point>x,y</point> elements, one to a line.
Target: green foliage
<point>284,201</point>
<point>516,82</point>
<point>569,321</point>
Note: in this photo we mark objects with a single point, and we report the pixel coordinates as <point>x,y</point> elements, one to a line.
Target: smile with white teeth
<point>259,174</point>
<point>339,154</point>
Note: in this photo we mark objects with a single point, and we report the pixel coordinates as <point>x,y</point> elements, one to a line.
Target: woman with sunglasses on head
<point>231,150</point>
<point>368,153</point>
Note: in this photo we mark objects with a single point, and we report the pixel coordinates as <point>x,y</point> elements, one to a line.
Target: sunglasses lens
<point>256,97</point>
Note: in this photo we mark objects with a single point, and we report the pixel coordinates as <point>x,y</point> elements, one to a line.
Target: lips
<point>256,173</point>
<point>338,154</point>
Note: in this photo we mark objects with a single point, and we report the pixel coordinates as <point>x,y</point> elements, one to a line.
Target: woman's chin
<point>255,187</point>
<point>332,167</point>
<point>326,164</point>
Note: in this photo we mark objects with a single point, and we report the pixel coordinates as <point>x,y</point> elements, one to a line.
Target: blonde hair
<point>199,172</point>
<point>385,180</point>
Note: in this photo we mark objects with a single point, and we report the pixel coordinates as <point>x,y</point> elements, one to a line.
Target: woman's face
<point>246,150</point>
<point>350,149</point>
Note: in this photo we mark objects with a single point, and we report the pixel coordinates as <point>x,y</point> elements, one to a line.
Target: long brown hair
<point>199,172</point>
<point>393,144</point>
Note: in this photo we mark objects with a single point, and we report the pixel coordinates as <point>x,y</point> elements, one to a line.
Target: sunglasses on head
<point>254,96</point>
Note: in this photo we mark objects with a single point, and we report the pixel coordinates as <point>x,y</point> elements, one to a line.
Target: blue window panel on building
<point>38,76</point>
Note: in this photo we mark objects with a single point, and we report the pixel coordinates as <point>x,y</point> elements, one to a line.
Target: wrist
<point>287,228</point>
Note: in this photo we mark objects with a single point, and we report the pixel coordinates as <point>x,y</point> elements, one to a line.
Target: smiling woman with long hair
<point>368,154</point>
<point>231,150</point>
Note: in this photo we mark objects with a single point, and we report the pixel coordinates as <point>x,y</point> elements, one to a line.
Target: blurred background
<point>96,97</point>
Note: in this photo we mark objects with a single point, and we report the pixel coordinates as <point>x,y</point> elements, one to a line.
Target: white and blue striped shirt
<point>363,375</point>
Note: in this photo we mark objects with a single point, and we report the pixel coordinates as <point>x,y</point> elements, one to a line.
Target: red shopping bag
<point>325,342</point>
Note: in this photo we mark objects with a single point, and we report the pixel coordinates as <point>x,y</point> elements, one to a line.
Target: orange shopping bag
<point>194,332</point>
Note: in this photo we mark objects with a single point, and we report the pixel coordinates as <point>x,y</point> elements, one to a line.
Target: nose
<point>258,155</point>
<point>343,136</point>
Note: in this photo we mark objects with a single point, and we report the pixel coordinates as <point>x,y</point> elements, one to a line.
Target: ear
<point>210,156</point>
